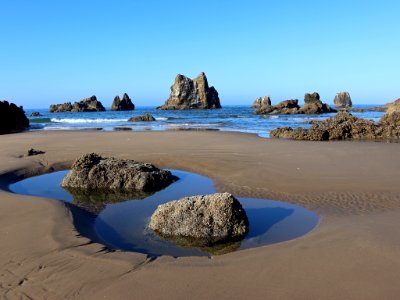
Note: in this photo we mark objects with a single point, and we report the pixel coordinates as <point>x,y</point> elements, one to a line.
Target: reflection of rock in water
<point>96,201</point>
<point>205,245</point>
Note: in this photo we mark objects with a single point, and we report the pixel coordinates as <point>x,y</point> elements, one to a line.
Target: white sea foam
<point>161,119</point>
<point>78,121</point>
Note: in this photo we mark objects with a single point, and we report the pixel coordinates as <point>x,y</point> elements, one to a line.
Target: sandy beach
<point>352,254</point>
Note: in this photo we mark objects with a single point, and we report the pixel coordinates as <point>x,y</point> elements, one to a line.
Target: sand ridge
<point>353,254</point>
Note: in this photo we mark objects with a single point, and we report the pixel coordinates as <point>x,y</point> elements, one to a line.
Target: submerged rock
<point>192,94</point>
<point>342,100</point>
<point>124,104</point>
<point>143,118</point>
<point>93,172</point>
<point>345,126</point>
<point>203,219</point>
<point>86,105</point>
<point>12,118</point>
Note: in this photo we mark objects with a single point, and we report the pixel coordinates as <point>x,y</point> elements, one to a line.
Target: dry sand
<point>353,254</point>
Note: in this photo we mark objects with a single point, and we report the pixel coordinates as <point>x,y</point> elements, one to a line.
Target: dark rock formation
<point>36,114</point>
<point>124,104</point>
<point>192,94</point>
<point>342,100</point>
<point>393,106</point>
<point>313,105</point>
<point>208,219</point>
<point>260,102</point>
<point>144,118</point>
<point>32,152</point>
<point>86,105</point>
<point>282,108</point>
<point>93,172</point>
<point>345,126</point>
<point>12,118</point>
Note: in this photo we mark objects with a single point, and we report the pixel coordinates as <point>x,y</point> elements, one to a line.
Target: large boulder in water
<point>342,100</point>
<point>313,105</point>
<point>143,118</point>
<point>260,102</point>
<point>90,104</point>
<point>93,172</point>
<point>124,104</point>
<point>12,118</point>
<point>209,218</point>
<point>192,94</point>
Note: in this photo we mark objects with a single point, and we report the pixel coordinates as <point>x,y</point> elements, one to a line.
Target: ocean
<point>229,118</point>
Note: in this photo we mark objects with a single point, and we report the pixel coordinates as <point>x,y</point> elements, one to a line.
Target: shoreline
<point>351,254</point>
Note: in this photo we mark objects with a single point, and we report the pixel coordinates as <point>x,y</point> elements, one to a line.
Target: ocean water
<point>229,118</point>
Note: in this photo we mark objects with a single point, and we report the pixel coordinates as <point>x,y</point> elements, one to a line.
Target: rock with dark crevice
<point>204,220</point>
<point>93,172</point>
<point>122,105</point>
<point>191,94</point>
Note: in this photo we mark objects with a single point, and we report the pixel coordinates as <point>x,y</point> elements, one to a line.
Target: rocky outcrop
<point>313,105</point>
<point>124,104</point>
<point>12,118</point>
<point>393,106</point>
<point>208,219</point>
<point>192,94</point>
<point>345,126</point>
<point>86,105</point>
<point>143,118</point>
<point>36,114</point>
<point>93,172</point>
<point>260,102</point>
<point>342,100</point>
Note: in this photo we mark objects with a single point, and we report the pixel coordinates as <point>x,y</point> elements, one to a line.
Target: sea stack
<point>191,94</point>
<point>342,100</point>
<point>313,105</point>
<point>124,104</point>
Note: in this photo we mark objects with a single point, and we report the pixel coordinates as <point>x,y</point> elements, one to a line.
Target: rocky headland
<point>191,94</point>
<point>345,126</point>
<point>12,118</point>
<point>86,105</point>
<point>203,220</point>
<point>312,105</point>
<point>124,104</point>
<point>93,172</point>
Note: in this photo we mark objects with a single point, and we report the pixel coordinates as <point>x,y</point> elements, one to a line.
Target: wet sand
<point>353,254</point>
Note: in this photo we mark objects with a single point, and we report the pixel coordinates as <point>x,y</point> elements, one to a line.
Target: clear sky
<point>57,51</point>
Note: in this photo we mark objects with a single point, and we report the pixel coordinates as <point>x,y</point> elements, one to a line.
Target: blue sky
<point>58,51</point>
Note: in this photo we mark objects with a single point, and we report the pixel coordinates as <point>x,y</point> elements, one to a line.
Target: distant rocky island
<point>124,104</point>
<point>12,118</point>
<point>191,94</point>
<point>86,105</point>
<point>312,105</point>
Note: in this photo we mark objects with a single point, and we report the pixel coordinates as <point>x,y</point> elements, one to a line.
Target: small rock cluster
<point>86,105</point>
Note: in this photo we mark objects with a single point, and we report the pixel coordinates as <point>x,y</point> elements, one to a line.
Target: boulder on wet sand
<point>12,118</point>
<point>86,105</point>
<point>264,101</point>
<point>191,94</point>
<point>313,105</point>
<point>208,218</point>
<point>345,126</point>
<point>93,172</point>
<point>124,104</point>
<point>143,118</point>
<point>342,100</point>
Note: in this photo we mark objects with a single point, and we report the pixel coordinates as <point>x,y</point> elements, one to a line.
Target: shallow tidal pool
<point>120,222</point>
